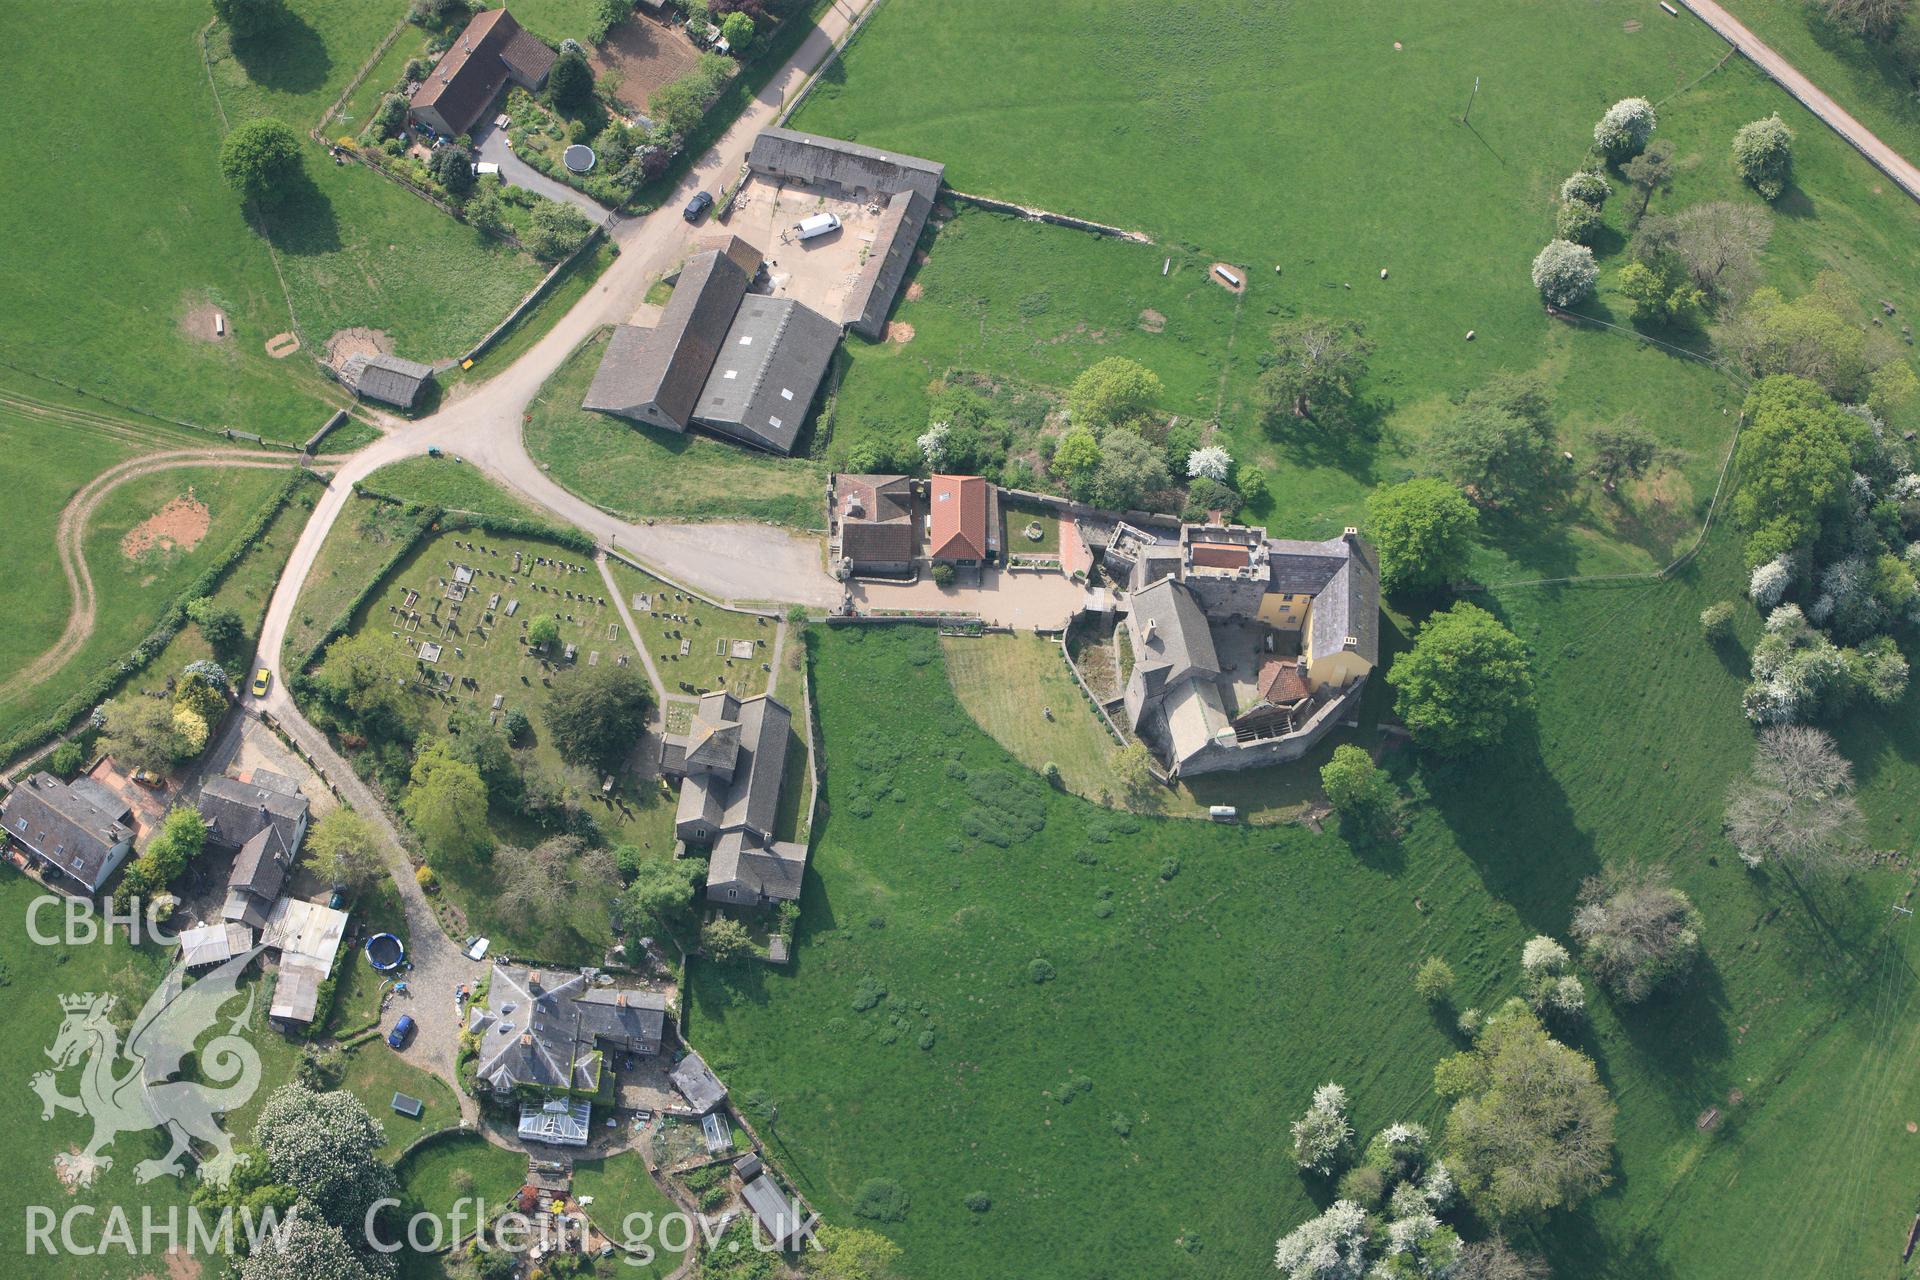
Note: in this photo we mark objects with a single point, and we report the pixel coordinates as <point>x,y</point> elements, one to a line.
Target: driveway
<point>491,144</point>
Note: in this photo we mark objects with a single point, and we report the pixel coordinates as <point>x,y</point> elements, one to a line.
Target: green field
<point>130,592</point>
<point>1205,1008</point>
<point>1207,127</point>
<point>639,472</point>
<point>443,482</point>
<point>365,538</point>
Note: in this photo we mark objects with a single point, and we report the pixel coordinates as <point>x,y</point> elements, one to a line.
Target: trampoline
<point>579,157</point>
<point>384,952</point>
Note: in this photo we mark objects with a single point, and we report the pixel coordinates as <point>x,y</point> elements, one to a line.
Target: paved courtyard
<point>1000,598</point>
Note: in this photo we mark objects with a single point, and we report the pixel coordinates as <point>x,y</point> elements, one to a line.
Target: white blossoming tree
<point>1565,272</point>
<point>1769,582</point>
<point>933,446</point>
<point>1213,462</point>
<point>1625,129</point>
<point>1323,1139</point>
<point>1543,955</point>
<point>1332,1246</point>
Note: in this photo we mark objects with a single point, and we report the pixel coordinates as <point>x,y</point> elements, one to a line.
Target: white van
<point>818,225</point>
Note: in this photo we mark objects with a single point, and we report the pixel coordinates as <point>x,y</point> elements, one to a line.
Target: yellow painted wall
<point>1337,669</point>
<point>1276,612</point>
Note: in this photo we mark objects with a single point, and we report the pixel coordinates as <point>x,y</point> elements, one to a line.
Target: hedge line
<point>430,519</point>
<point>102,686</point>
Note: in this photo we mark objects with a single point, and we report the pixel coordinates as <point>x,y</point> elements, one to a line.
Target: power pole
<point>1470,98</point>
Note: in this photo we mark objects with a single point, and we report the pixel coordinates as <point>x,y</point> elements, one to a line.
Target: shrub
<point>737,30</point>
<point>1586,188</point>
<point>1565,273</point>
<point>1624,130</point>
<point>1360,792</point>
<point>1716,621</point>
<point>425,877</point>
<point>943,575</point>
<point>1579,223</point>
<point>881,1200</point>
<point>978,1201</point>
<point>1763,155</point>
<point>1212,462</point>
<point>1364,1186</point>
<point>1323,1138</point>
<point>1770,581</point>
<point>1470,1022</point>
<point>1039,971</point>
<point>1434,980</point>
<point>67,758</point>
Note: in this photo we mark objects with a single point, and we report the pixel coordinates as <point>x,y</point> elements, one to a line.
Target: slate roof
<point>957,508</point>
<point>1298,568</point>
<point>667,365</point>
<point>778,1214</point>
<point>74,829</point>
<point>259,872</point>
<point>385,378</point>
<point>749,798</point>
<point>697,1084</point>
<point>1169,630</point>
<point>547,1028</point>
<point>895,239</point>
<point>1196,715</point>
<point>769,871</point>
<point>766,372</point>
<point>236,811</point>
<point>811,158</point>
<point>883,531</point>
<point>476,65</point>
<point>713,746</point>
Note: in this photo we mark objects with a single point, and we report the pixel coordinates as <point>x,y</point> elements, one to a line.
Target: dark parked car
<point>701,202</point>
<point>397,1038</point>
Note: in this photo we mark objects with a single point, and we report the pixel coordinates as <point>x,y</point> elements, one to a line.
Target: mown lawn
<point>630,1208</point>
<point>131,592</point>
<point>111,245</point>
<point>459,1167</point>
<point>1211,128</point>
<point>366,537</point>
<point>1204,1008</point>
<point>638,471</point>
<point>446,483</point>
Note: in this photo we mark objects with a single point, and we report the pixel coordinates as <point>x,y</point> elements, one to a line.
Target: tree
<point>1314,372</point>
<point>1578,223</point>
<point>1795,467</point>
<point>486,212</point>
<point>452,168</point>
<point>1623,131</point>
<point>1212,462</point>
<point>1586,188</point>
<point>1716,621</point>
<point>597,714</point>
<point>67,758</point>
<point>1423,530</point>
<point>1323,1138</point>
<point>1115,390</point>
<point>1495,1259</point>
<point>1795,806</point>
<point>1534,1129</point>
<point>737,30</point>
<point>142,734</point>
<point>1621,451</point>
<point>249,19</point>
<point>1650,171</point>
<point>944,575</point>
<point>190,729</point>
<point>304,1247</point>
<point>1718,243</point>
<point>1874,19</point>
<point>1565,273</point>
<point>1076,457</point>
<point>1499,446</point>
<point>345,849</point>
<point>543,631</point>
<point>373,679</point>
<point>222,629</point>
<point>607,14</point>
<point>570,83</point>
<point>327,1147</point>
<point>1662,293</point>
<point>548,879</point>
<point>1360,792</point>
<point>659,902</point>
<point>558,229</point>
<point>1433,981</point>
<point>1332,1246</point>
<point>260,159</point>
<point>853,1253</point>
<point>725,941</point>
<point>1464,682</point>
<point>1132,768</point>
<point>1636,930</point>
<point>1129,470</point>
<point>1763,155</point>
<point>1810,337</point>
<point>447,804</point>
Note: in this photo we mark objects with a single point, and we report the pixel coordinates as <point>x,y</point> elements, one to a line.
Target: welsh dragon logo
<point>128,1088</point>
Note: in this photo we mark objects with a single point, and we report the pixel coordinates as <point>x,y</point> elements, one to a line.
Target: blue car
<point>397,1038</point>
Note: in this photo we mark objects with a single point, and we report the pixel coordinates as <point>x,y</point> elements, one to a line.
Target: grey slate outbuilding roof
<point>259,872</point>
<point>656,375</point>
<point>770,872</point>
<point>745,797</point>
<point>1343,577</point>
<point>1169,630</point>
<point>852,166</point>
<point>766,372</point>
<point>385,378</point>
<point>80,830</point>
<point>874,289</point>
<point>697,1084</point>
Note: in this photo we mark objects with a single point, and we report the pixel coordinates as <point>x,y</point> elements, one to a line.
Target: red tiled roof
<point>1280,682</point>
<point>1221,555</point>
<point>959,507</point>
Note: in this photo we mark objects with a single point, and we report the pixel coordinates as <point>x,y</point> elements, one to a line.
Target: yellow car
<point>261,679</point>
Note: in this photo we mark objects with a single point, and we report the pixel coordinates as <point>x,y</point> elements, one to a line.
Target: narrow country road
<point>1863,140</point>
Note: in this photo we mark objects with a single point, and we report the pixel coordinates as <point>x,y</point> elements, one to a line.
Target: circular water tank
<point>579,157</point>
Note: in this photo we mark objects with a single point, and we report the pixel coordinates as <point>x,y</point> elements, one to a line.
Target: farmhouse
<point>963,520</point>
<point>904,186</point>
<point>385,378</point>
<point>870,524</point>
<point>492,50</point>
<point>1248,649</point>
<point>79,831</point>
<point>262,820</point>
<point>731,764</point>
<point>548,1033</point>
